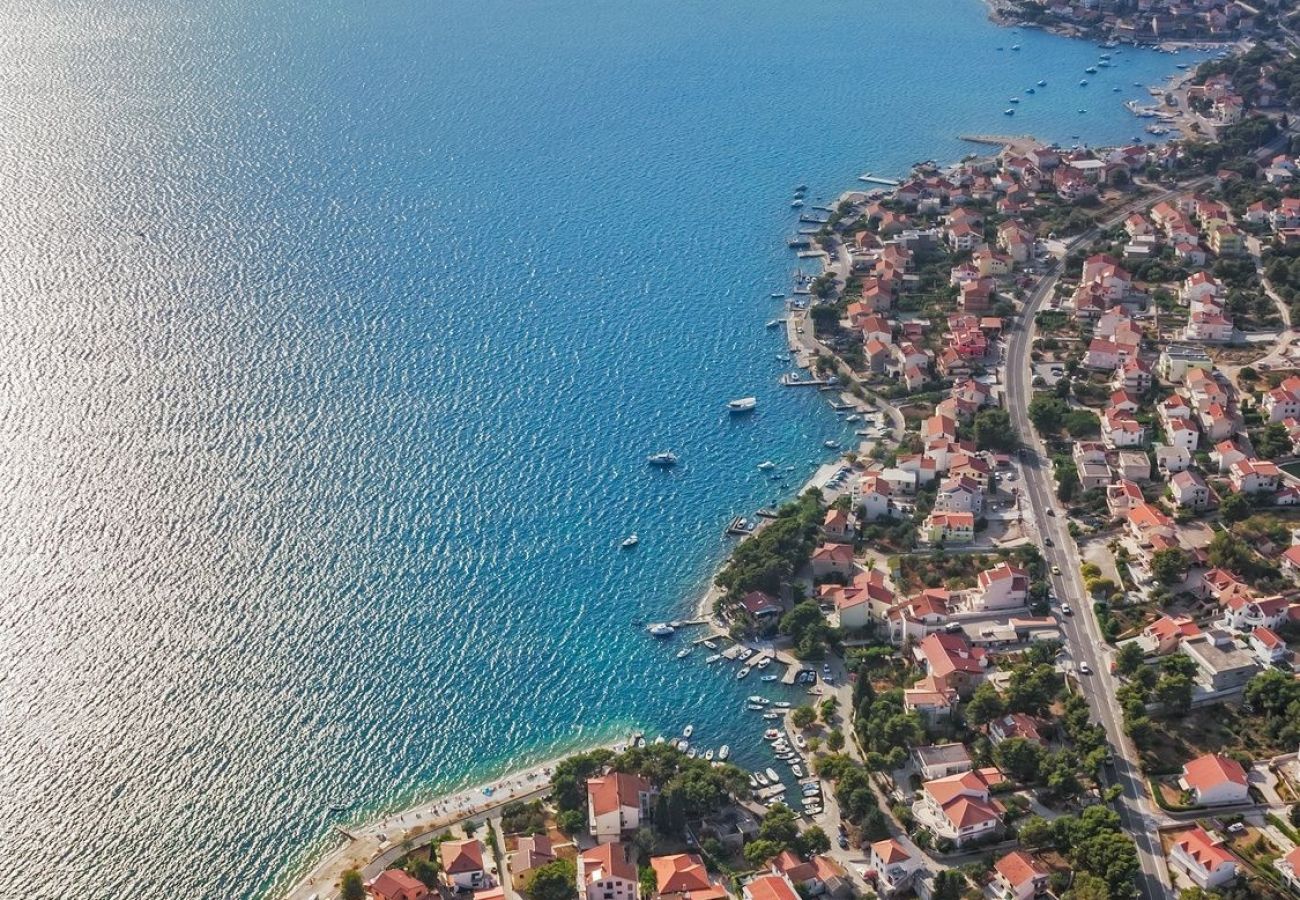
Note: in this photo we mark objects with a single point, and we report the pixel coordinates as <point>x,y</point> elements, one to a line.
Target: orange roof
<point>890,851</point>
<point>1018,868</point>
<point>679,873</point>
<point>1212,770</point>
<point>397,883</point>
<point>461,856</point>
<point>770,887</point>
<point>608,861</point>
<point>1197,844</point>
<point>614,791</point>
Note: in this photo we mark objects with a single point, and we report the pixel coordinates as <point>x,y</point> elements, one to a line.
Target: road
<point>1082,635</point>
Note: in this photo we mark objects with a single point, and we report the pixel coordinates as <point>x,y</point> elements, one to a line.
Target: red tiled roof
<point>1212,770</point>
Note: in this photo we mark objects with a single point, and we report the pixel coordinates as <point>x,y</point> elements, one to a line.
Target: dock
<point>876,179</point>
<point>739,526</point>
<point>790,380</point>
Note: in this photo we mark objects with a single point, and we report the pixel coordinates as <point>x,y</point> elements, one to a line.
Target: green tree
<point>1087,887</point>
<point>835,741</point>
<point>803,717</point>
<point>992,430</point>
<point>1047,413</point>
<point>1174,694</point>
<point>760,851</point>
<point>351,887</point>
<point>985,705</point>
<point>1169,565</point>
<point>423,870</point>
<point>948,885</point>
<point>570,821</point>
<point>1019,757</point>
<point>553,881</point>
<point>1129,658</point>
<point>1035,832</point>
<point>1235,507</point>
<point>814,841</point>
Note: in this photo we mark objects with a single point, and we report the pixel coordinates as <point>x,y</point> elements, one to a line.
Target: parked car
<point>1065,608</point>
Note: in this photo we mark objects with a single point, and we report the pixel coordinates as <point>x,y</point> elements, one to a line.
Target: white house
<point>617,803</point>
<point>462,864</point>
<point>1206,863</point>
<point>1002,587</point>
<point>608,872</point>
<point>893,866</point>
<point>1017,876</point>
<point>1215,780</point>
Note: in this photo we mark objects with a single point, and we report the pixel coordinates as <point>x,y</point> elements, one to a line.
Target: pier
<point>876,179</point>
<point>791,380</point>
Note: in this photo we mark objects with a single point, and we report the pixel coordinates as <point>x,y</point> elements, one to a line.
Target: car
<point>844,842</point>
<point>1056,570</point>
<point>1051,512</point>
<point>1085,669</point>
<point>1065,608</point>
<point>952,627</point>
<point>1236,828</point>
<point>1047,542</point>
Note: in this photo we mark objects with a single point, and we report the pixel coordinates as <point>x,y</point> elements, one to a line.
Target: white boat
<point>711,645</point>
<point>660,739</point>
<point>742,673</point>
<point>771,715</point>
<point>771,677</point>
<point>660,629</point>
<point>761,779</point>
<point>767,465</point>
<point>692,753</point>
<point>798,203</point>
<point>684,652</point>
<point>772,776</point>
<point>777,295</point>
<point>724,751</point>
<point>688,731</point>
<point>773,323</point>
<point>831,445</point>
<point>744,404</point>
<point>800,742</point>
<point>746,654</point>
<point>765,662</point>
<point>708,755</point>
<point>664,459</point>
<point>630,541</point>
<point>712,658</point>
<point>761,701</point>
<point>754,707</point>
<point>1008,111</point>
<point>782,704</point>
<point>771,734</point>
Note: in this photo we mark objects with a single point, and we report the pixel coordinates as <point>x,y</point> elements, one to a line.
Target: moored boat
<point>660,629</point>
<point>744,404</point>
<point>630,541</point>
<point>663,459</point>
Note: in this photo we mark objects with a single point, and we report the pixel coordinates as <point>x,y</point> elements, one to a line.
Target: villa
<point>617,803</point>
<point>682,876</point>
<point>1215,780</point>
<point>462,864</point>
<point>608,872</point>
<point>959,807</point>
<point>1205,861</point>
<point>892,868</point>
<point>397,884</point>
<point>1017,876</point>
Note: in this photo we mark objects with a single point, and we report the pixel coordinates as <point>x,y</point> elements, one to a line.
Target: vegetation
<point>772,556</point>
<point>553,881</point>
<point>523,818</point>
<point>351,887</point>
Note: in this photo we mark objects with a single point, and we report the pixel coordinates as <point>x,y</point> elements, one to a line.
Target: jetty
<point>792,380</point>
<point>876,179</point>
<point>739,526</point>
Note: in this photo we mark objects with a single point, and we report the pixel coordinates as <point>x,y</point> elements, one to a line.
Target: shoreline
<point>376,843</point>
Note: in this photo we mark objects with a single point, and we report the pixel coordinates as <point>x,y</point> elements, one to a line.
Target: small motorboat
<point>1083,82</point>
<point>753,780</point>
<point>754,707</point>
<point>746,654</point>
<point>831,445</point>
<point>663,459</point>
<point>711,645</point>
<point>724,751</point>
<point>772,776</point>
<point>772,323</point>
<point>771,677</point>
<point>771,716</point>
<point>1042,83</point>
<point>692,753</point>
<point>800,742</point>
<point>761,779</point>
<point>660,739</point>
<point>1029,90</point>
<point>684,652</point>
<point>765,662</point>
<point>1014,100</point>
<point>1015,46</point>
<point>688,731</point>
<point>712,658</point>
<point>708,755</point>
<point>1008,112</point>
<point>761,701</point>
<point>660,629</point>
<point>766,466</point>
<point>777,295</point>
<point>742,673</point>
<point>630,541</point>
<point>796,203</point>
<point>782,704</point>
<point>771,734</point>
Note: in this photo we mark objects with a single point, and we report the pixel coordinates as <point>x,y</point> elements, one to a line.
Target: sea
<point>334,336</point>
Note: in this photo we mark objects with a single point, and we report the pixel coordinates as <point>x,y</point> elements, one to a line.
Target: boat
<point>684,652</point>
<point>630,541</point>
<point>744,404</point>
<point>1013,100</point>
<point>767,465</point>
<point>1029,90</point>
<point>754,707</point>
<point>772,323</point>
<point>1091,70</point>
<point>683,745</point>
<point>777,295</point>
<point>746,654</point>
<point>1042,83</point>
<point>712,658</point>
<point>663,459</point>
<point>708,755</point>
<point>771,677</point>
<point>339,807</point>
<point>744,670</point>
<point>1008,112</point>
<point>831,445</point>
<point>761,701</point>
<point>782,704</point>
<point>765,662</point>
<point>711,645</point>
<point>660,629</point>
<point>1083,82</point>
<point>1015,46</point>
<point>801,189</point>
<point>771,716</point>
<point>1114,90</point>
<point>753,781</point>
<point>660,739</point>
<point>688,731</point>
<point>783,357</point>
<point>796,203</point>
<point>692,753</point>
<point>724,751</point>
<point>1082,110</point>
<point>760,778</point>
<point>771,734</point>
<point>772,776</point>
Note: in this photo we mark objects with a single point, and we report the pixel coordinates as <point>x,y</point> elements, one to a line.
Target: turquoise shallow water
<point>335,337</point>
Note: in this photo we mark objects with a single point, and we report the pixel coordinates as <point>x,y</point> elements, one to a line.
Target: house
<point>767,887</point>
<point>942,760</point>
<point>1206,863</point>
<point>1165,634</point>
<point>608,872</point>
<point>759,605</point>
<point>1189,490</point>
<point>1268,648</point>
<point>531,852</point>
<point>1014,725</point>
<point>1215,780</point>
<point>930,698</point>
<point>890,867</point>
<point>1221,665</point>
<point>1283,402</point>
<point>839,526</point>
<point>1171,460</point>
<point>682,876</point>
<point>816,876</point>
<point>950,527</point>
<point>397,884</point>
<point>1243,613</point>
<point>952,661</point>
<point>960,494</point>
<point>871,495</point>
<point>832,559</point>
<point>1017,876</point>
<point>617,803</point>
<point>959,807</point>
<point>462,864</point>
<point>1291,561</point>
<point>1289,868</point>
<point>1004,586</point>
<point>1119,429</point>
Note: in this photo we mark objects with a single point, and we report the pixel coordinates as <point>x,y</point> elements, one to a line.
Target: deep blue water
<point>335,336</point>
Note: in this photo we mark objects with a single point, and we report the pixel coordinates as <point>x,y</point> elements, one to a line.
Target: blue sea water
<point>334,338</point>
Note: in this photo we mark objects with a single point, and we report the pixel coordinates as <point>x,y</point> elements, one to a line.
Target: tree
<point>1174,693</point>
<point>1235,507</point>
<point>1035,832</point>
<point>423,870</point>
<point>993,430</point>
<point>553,881</point>
<point>570,821</point>
<point>1169,565</point>
<point>835,741</point>
<point>948,885</point>
<point>1110,856</point>
<point>1047,413</point>
<point>760,851</point>
<point>985,705</point>
<point>1130,657</point>
<point>814,841</point>
<point>351,887</point>
<point>779,825</point>
<point>1087,887</point>
<point>1019,757</point>
<point>803,717</point>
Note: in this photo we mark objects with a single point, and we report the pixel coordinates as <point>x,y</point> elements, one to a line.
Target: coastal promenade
<point>376,845</point>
